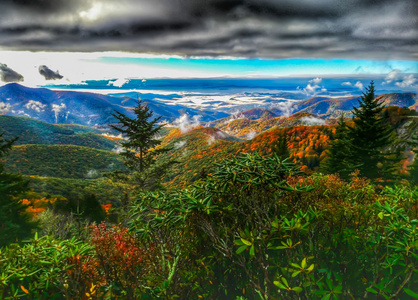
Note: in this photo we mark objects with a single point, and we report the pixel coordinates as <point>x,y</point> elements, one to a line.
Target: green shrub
<point>263,231</point>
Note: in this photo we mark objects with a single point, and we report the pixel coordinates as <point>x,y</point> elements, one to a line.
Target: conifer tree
<point>370,138</point>
<point>339,160</point>
<point>15,223</point>
<point>413,170</point>
<point>141,146</point>
<point>281,146</point>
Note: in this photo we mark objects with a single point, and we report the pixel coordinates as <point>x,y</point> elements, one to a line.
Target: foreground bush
<point>259,230</point>
<point>111,266</point>
<point>255,229</point>
<point>43,269</point>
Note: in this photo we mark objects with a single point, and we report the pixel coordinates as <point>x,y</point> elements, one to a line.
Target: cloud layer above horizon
<point>352,29</point>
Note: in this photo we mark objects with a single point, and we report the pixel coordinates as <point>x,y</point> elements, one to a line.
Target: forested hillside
<point>65,161</point>
<point>31,131</point>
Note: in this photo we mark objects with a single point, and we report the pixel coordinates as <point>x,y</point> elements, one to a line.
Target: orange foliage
<point>36,206</point>
<point>106,208</point>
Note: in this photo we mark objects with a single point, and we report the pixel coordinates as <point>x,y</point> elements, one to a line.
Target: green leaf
<point>294,274</point>
<point>380,215</point>
<point>411,293</point>
<point>238,242</point>
<point>326,297</point>
<point>285,282</point>
<point>281,286</point>
<point>280,247</point>
<point>295,265</point>
<point>304,263</point>
<point>311,267</point>
<point>297,289</point>
<point>252,251</point>
<point>241,249</point>
<point>248,243</point>
<point>371,290</point>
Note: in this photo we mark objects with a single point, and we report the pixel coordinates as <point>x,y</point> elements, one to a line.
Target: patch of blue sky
<point>270,67</point>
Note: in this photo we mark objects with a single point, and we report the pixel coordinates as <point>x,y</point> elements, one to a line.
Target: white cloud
<point>234,116</point>
<point>92,174</point>
<point>286,107</point>
<point>346,83</point>
<point>35,105</point>
<point>119,82</point>
<point>251,135</point>
<point>185,124</point>
<point>4,107</point>
<point>407,81</point>
<point>58,110</point>
<point>359,85</point>
<point>210,140</point>
<point>313,88</point>
<point>179,145</point>
<point>316,80</point>
<point>399,79</point>
<point>118,149</point>
<point>392,76</point>
<point>312,121</point>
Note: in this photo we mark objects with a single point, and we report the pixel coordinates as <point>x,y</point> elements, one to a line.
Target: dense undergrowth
<point>257,228</point>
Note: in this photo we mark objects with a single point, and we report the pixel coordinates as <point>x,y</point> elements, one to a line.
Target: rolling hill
<point>64,161</point>
<point>30,131</point>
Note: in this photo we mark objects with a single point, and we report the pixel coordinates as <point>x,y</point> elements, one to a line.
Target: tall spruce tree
<point>280,147</point>
<point>413,169</point>
<point>15,223</point>
<point>141,147</point>
<point>339,161</point>
<point>370,138</point>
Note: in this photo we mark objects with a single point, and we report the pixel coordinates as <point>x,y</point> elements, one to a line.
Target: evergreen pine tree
<point>370,138</point>
<point>141,147</point>
<point>339,160</point>
<point>413,170</point>
<point>281,146</point>
<point>15,223</point>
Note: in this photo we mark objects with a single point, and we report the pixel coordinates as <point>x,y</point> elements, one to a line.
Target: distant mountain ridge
<point>58,106</point>
<point>334,107</point>
<point>70,107</point>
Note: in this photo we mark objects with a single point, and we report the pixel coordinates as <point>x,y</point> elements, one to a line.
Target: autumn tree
<point>141,147</point>
<point>15,222</point>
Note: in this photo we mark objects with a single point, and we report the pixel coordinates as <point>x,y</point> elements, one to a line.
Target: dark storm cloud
<point>255,28</point>
<point>9,75</point>
<point>48,73</point>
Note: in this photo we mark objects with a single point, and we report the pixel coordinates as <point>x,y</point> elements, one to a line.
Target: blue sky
<point>243,67</point>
